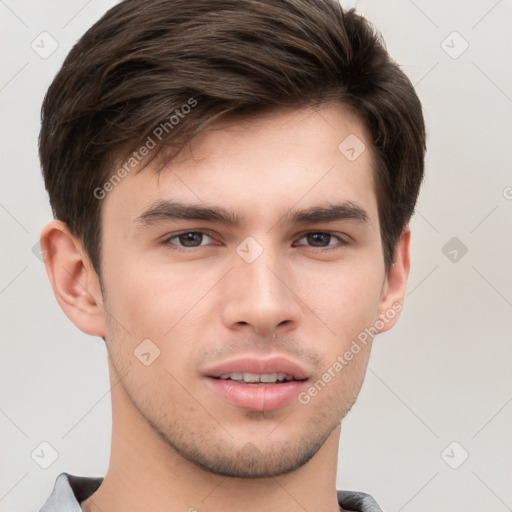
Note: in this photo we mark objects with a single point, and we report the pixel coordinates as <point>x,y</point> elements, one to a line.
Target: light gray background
<point>441,375</point>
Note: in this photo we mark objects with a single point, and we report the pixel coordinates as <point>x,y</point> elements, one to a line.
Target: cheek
<point>163,304</point>
<point>149,300</point>
<point>344,298</point>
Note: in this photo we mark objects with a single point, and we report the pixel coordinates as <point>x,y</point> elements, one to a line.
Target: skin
<point>175,444</point>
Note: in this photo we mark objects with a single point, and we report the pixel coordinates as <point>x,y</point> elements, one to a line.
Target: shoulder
<point>357,501</point>
<point>69,491</point>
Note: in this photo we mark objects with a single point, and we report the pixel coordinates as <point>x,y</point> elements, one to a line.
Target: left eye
<point>320,239</point>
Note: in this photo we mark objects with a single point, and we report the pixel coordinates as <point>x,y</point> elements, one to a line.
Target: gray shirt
<point>69,491</point>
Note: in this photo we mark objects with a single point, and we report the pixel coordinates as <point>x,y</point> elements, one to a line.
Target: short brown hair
<point>146,58</point>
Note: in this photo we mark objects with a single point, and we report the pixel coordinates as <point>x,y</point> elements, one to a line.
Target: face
<point>281,291</point>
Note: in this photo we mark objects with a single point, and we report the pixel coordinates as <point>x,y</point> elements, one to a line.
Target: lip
<point>257,397</point>
<point>276,364</point>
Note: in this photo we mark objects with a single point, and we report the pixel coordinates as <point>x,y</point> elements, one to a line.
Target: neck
<point>145,473</point>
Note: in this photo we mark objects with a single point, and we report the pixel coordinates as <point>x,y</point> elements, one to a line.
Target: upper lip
<point>275,364</point>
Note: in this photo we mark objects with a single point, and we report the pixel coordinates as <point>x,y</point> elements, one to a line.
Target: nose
<point>260,294</point>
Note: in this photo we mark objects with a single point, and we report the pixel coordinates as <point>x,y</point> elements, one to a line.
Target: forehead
<point>261,167</point>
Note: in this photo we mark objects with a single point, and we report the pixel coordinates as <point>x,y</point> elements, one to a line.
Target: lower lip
<point>256,397</point>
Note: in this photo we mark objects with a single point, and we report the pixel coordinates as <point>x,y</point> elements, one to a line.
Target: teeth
<point>251,377</point>
<point>257,377</point>
<point>233,376</point>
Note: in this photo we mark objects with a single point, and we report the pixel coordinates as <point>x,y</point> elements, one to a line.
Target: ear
<point>393,290</point>
<point>75,283</point>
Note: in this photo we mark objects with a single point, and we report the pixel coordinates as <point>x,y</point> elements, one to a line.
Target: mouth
<point>257,384</point>
<point>259,378</point>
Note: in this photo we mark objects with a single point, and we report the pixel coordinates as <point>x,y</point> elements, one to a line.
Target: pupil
<point>317,237</point>
<point>185,238</point>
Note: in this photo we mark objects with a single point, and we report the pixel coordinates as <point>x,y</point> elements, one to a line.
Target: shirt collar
<point>70,490</point>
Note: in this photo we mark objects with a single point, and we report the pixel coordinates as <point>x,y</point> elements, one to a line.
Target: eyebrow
<point>166,210</point>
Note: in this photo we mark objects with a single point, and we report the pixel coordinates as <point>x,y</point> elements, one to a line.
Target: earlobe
<point>393,292</point>
<point>73,280</point>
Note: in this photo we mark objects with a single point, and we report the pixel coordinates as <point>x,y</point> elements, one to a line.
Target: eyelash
<point>167,241</point>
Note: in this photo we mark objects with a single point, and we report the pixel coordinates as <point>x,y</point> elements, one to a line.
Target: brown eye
<point>189,239</point>
<point>321,239</point>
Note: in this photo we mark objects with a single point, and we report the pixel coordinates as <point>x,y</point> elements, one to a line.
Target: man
<point>232,183</point>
